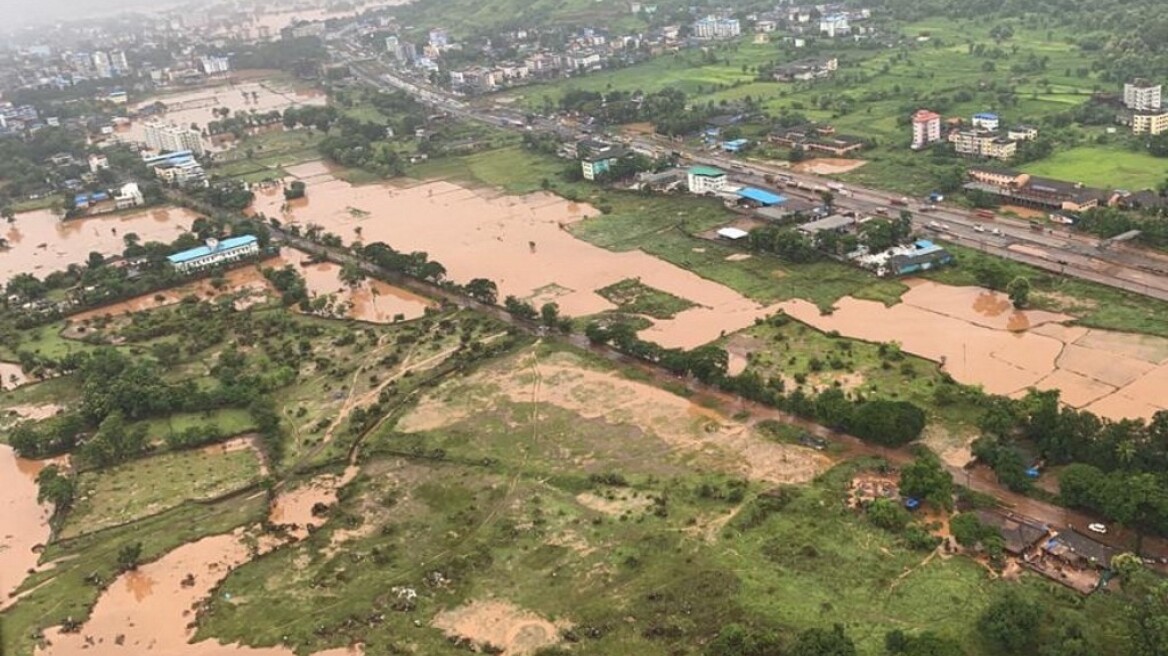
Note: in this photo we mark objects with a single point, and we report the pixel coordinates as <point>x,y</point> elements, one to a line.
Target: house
<point>983,143</point>
<point>1022,133</point>
<point>712,27</point>
<point>1139,200</point>
<point>1149,122</point>
<point>214,252</point>
<point>735,145</point>
<point>705,179</point>
<point>1018,534</point>
<point>98,162</point>
<point>805,70</point>
<point>1142,96</point>
<point>834,223</point>
<point>833,25</point>
<point>921,255</point>
<point>926,127</point>
<point>986,121</point>
<point>816,138</point>
<point>663,181</point>
<point>596,163</point>
<point>128,196</point>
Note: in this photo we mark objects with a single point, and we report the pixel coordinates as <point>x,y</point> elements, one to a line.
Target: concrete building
<point>982,143</point>
<point>986,121</point>
<point>926,128</point>
<point>1142,96</point>
<point>128,196</point>
<point>214,252</point>
<point>1149,122</point>
<point>805,70</point>
<point>118,62</point>
<point>98,162</point>
<point>164,137</point>
<point>439,37</point>
<point>215,65</point>
<point>705,179</point>
<point>1022,133</point>
<point>712,27</point>
<point>833,25</point>
<point>599,163</point>
<point>101,65</point>
<point>178,168</point>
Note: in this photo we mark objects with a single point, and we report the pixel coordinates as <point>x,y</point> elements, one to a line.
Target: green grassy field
<point>635,297</point>
<point>589,522</point>
<point>129,492</point>
<point>1109,168</point>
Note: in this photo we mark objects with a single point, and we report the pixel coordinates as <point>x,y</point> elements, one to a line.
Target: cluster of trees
<point>242,122</point>
<point>668,109</point>
<point>311,116</point>
<point>787,243</point>
<point>415,265</point>
<point>230,195</point>
<point>301,55</point>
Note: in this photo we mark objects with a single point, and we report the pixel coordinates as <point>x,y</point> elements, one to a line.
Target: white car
<point>1097,528</point>
<point>995,232</point>
<point>977,227</point>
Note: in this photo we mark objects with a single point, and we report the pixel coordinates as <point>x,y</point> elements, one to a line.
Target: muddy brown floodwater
<point>151,610</point>
<point>40,243</point>
<point>371,300</point>
<point>982,340</point>
<point>24,523</point>
<point>522,243</point>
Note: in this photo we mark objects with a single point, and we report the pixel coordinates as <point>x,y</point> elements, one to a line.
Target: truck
<point>985,214</point>
<point>899,202</point>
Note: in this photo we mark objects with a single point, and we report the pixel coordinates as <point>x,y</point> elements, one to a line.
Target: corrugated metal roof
<point>761,196</point>
<point>203,251</point>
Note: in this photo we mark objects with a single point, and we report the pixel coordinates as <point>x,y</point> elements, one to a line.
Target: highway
<point>1057,250</point>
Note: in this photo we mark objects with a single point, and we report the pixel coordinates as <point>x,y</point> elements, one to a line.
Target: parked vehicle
<point>995,232</point>
<point>899,202</point>
<point>1097,528</point>
<point>977,227</point>
<point>985,214</point>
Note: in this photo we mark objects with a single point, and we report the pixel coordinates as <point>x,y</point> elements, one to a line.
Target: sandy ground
<point>501,624</point>
<point>522,243</point>
<point>982,340</point>
<point>828,166</point>
<point>684,426</point>
<point>11,376</point>
<point>40,243</point>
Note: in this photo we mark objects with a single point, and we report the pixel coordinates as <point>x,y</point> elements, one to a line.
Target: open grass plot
<point>127,492</point>
<point>1107,167</point>
<point>632,296</point>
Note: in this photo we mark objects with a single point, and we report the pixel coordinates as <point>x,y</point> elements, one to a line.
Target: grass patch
<point>128,492</point>
<point>633,296</point>
<point>229,421</point>
<point>1101,166</point>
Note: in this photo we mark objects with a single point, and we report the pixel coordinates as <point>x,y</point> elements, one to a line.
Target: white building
<point>128,196</point>
<point>705,179</point>
<point>1022,133</point>
<point>98,162</point>
<point>102,65</point>
<point>170,138</point>
<point>834,25</point>
<point>439,37</point>
<point>215,65</point>
<point>215,252</point>
<point>926,128</point>
<point>118,62</point>
<point>1142,96</point>
<point>712,27</point>
<point>986,121</point>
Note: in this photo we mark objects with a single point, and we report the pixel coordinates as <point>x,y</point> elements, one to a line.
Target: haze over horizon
<point>22,13</point>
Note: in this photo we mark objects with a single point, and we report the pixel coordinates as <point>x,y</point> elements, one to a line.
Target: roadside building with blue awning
<point>761,197</point>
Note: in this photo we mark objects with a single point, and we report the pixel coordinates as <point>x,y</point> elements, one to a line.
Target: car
<point>1097,528</point>
<point>934,225</point>
<point>977,227</point>
<point>995,232</point>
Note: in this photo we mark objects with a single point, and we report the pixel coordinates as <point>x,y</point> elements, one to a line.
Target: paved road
<point>1137,270</point>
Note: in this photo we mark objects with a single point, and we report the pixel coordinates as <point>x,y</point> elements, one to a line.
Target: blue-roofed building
<point>921,256</point>
<point>735,145</point>
<point>761,197</point>
<point>986,121</point>
<point>215,252</point>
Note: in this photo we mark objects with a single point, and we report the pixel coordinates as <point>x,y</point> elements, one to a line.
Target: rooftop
<point>203,251</point>
<point>706,171</point>
<point>761,196</point>
<point>833,222</point>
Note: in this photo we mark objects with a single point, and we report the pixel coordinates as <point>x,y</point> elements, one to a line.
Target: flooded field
<point>981,340</point>
<point>152,609</point>
<point>40,243</point>
<point>267,24</point>
<point>197,106</point>
<point>25,522</point>
<point>522,243</point>
<point>371,300</point>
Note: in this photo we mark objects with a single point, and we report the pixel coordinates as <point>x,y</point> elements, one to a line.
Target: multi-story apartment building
<point>1142,96</point>
<point>926,127</point>
<point>164,137</point>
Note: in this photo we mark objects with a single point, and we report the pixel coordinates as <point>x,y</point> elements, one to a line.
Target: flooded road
<point>981,340</point>
<point>24,523</point>
<point>40,243</point>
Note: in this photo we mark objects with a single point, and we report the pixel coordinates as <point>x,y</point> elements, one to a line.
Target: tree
<point>129,556</point>
<point>739,640</point>
<point>890,423</point>
<point>1146,596</point>
<point>549,314</point>
<point>482,290</point>
<point>888,515</point>
<point>55,488</point>
<point>26,286</point>
<point>1019,291</point>
<point>823,642</point>
<point>898,643</point>
<point>295,190</point>
<point>925,478</point>
<point>1010,624</point>
<point>351,274</point>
